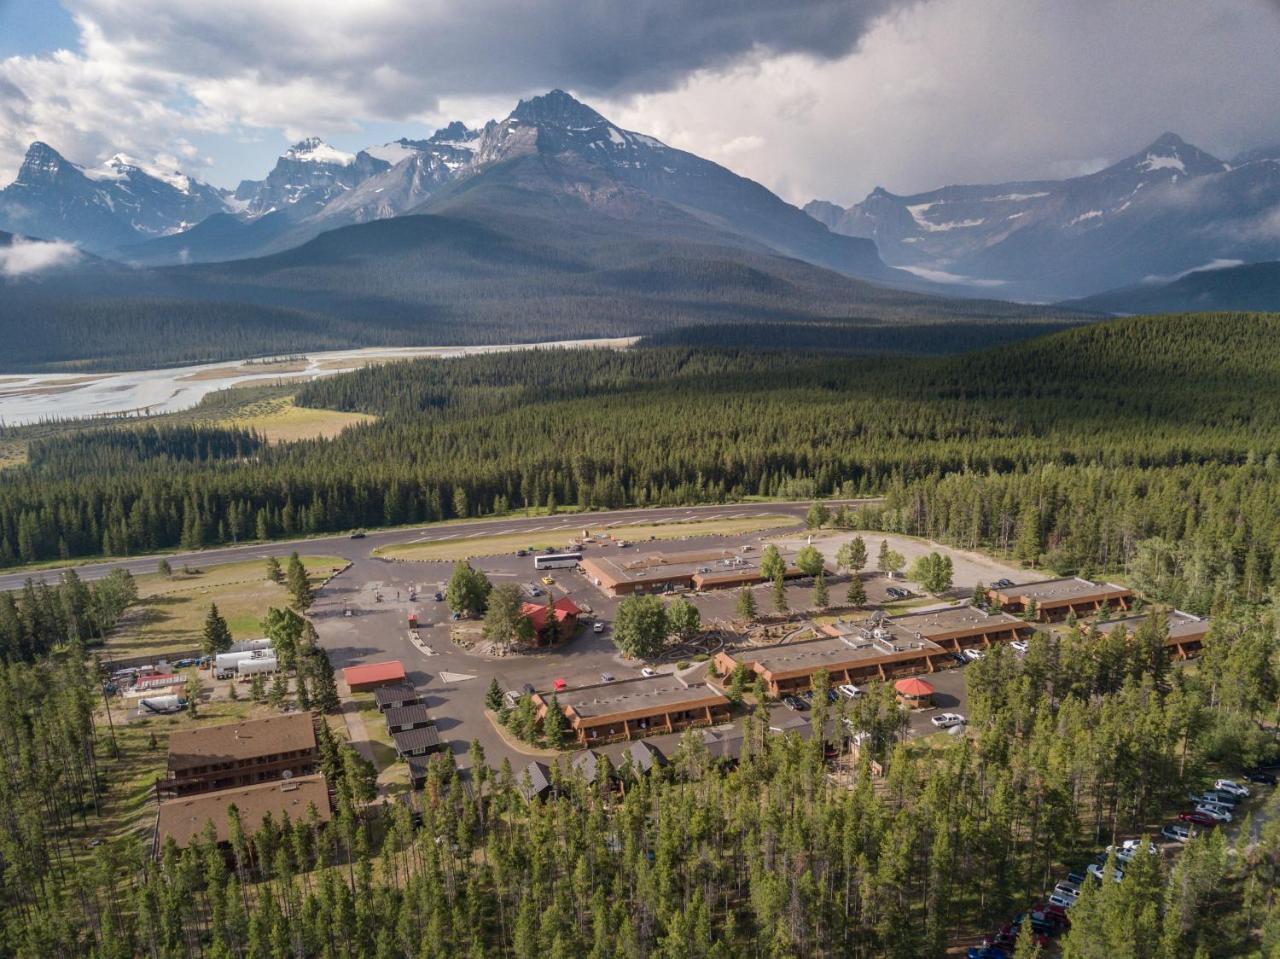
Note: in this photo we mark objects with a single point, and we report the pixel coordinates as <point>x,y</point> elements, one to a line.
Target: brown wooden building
<point>240,754</point>
<point>658,571</point>
<point>875,649</point>
<point>633,708</point>
<point>1186,632</point>
<point>185,818</point>
<point>1055,599</point>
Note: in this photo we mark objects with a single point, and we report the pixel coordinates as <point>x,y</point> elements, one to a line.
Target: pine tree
<point>493,698</point>
<point>164,569</point>
<point>553,724</point>
<point>298,582</point>
<point>780,594</point>
<point>217,636</point>
<point>746,606</point>
<point>857,594</point>
<point>274,573</point>
<point>821,596</point>
<point>324,691</point>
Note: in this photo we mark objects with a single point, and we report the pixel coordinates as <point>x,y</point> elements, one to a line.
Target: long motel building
<point>1056,599</point>
<point>633,708</point>
<point>1186,632</point>
<point>876,649</point>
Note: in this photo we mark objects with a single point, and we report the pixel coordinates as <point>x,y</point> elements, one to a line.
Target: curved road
<point>343,545</point>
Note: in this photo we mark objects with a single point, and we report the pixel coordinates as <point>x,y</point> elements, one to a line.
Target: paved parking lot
<point>376,593</point>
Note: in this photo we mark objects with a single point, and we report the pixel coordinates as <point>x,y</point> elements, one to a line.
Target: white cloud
<point>23,257</point>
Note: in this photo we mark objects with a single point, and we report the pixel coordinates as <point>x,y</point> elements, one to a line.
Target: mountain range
<point>1154,216</point>
<point>552,223</point>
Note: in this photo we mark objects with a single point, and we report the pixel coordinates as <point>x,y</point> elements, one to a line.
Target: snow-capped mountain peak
<point>315,150</point>
<point>123,167</point>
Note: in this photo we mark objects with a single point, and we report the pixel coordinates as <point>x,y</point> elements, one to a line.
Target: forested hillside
<point>1149,441</point>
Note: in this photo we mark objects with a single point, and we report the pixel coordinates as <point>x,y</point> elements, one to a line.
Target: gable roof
<point>424,737</point>
<point>413,715</point>
<point>588,764</point>
<point>533,780</point>
<point>396,693</point>
<point>537,612</point>
<point>646,756</point>
<point>388,672</point>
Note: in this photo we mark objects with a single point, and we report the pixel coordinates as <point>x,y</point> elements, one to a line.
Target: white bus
<point>557,560</point>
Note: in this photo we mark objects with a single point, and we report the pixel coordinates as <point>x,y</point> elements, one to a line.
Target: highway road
<point>343,545</point>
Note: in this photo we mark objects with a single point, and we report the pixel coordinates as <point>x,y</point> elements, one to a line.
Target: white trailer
<point>162,705</point>
<point>259,664</point>
<point>250,646</point>
<point>225,664</point>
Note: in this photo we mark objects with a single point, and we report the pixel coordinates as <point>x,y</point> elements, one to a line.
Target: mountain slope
<point>1163,211</point>
<point>586,157</point>
<point>1247,287</point>
<point>122,202</point>
<point>498,263</point>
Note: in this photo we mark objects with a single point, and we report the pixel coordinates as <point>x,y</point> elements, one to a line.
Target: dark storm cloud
<point>485,46</point>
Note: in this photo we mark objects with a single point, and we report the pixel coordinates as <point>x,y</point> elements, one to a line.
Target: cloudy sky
<point>825,98</point>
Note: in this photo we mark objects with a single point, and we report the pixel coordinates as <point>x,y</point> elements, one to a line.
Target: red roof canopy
<point>388,672</point>
<point>537,612</point>
<point>914,687</point>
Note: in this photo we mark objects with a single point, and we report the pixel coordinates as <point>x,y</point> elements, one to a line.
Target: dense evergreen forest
<point>1145,445</point>
<point>1084,739</point>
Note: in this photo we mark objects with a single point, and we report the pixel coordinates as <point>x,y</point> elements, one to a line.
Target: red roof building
<point>566,614</point>
<point>372,675</point>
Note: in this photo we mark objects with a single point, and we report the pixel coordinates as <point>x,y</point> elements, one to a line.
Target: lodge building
<point>1056,599</point>
<point>632,708</point>
<point>876,649</point>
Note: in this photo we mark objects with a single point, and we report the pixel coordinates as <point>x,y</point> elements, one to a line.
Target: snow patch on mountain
<point>1154,162</point>
<point>315,150</point>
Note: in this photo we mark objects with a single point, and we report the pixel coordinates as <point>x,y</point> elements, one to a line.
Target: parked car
<point>1261,777</point>
<point>648,672</point>
<point>1021,645</point>
<point>1077,879</point>
<point>1232,787</point>
<point>947,720</point>
<point>1230,800</point>
<point>597,626</point>
<point>850,691</point>
<point>795,703</point>
<point>1002,583</point>
<point>1197,818</point>
<point>1067,889</point>
<point>958,658</point>
<point>606,677</point>
<point>1177,831</point>
<point>522,552</point>
<point>1219,813</point>
<point>1061,901</point>
<point>895,593</point>
<point>548,581</point>
<point>1096,870</point>
<point>358,534</point>
<point>439,597</point>
<point>972,655</point>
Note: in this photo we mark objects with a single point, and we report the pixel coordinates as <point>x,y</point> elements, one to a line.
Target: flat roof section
<point>642,697</point>
<point>661,565</point>
<point>810,655</point>
<point>1181,625</point>
<point>1059,590</point>
<point>234,742</point>
<point>184,819</point>
<point>934,625</point>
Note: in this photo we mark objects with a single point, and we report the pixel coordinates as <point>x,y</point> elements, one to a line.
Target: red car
<point>1055,914</point>
<point>1199,818</point>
